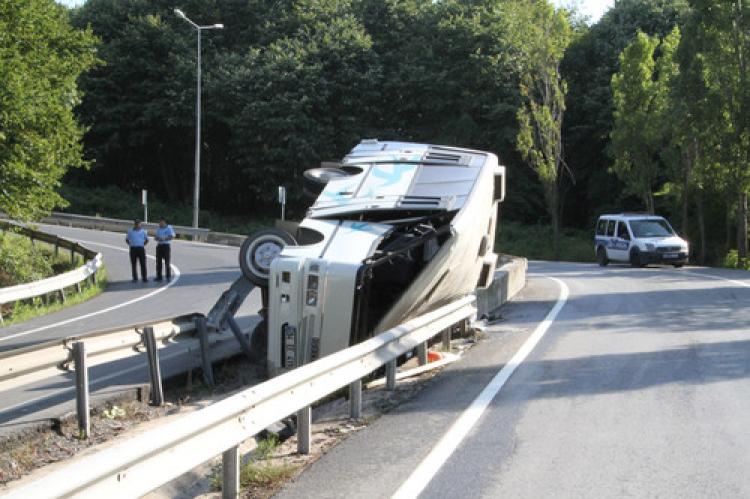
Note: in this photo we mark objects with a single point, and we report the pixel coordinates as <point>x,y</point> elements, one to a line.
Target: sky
<point>591,8</point>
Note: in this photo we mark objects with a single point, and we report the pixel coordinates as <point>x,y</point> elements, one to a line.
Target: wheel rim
<point>262,253</point>
<point>265,253</point>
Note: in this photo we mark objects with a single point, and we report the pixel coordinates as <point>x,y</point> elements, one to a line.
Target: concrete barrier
<point>509,279</point>
<point>118,225</point>
<point>225,239</point>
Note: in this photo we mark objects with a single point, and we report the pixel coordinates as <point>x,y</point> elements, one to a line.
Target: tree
<point>643,114</point>
<point>717,44</point>
<point>588,66</point>
<point>41,57</point>
<point>543,91</point>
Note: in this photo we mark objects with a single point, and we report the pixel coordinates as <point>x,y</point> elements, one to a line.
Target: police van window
<point>622,231</point>
<point>611,228</point>
<point>601,227</point>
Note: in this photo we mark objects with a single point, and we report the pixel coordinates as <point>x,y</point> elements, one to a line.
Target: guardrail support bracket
<point>390,375</point>
<point>230,473</point>
<point>208,372</point>
<point>154,369</point>
<point>82,389</point>
<point>304,422</point>
<point>447,338</point>
<point>422,353</point>
<point>355,399</point>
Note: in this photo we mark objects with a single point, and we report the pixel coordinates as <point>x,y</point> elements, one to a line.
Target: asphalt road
<point>201,273</point>
<point>638,387</point>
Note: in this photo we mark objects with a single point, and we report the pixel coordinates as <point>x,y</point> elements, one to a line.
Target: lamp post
<point>197,183</point>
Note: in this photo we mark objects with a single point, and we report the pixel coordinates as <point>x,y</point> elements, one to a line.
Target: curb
<point>509,279</point>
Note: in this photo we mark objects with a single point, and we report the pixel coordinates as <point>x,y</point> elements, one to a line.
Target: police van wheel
<point>601,257</point>
<point>259,250</point>
<point>636,260</point>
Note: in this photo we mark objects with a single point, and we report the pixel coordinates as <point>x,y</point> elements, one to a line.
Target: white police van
<point>639,239</point>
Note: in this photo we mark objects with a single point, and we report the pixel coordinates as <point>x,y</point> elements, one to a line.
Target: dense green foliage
<point>288,84</point>
<point>543,89</point>
<point>643,115</point>
<point>588,67</point>
<point>113,202</point>
<point>40,58</point>
<point>533,242</point>
<point>21,262</point>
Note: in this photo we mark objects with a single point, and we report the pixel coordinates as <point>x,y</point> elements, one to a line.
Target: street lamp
<point>197,183</point>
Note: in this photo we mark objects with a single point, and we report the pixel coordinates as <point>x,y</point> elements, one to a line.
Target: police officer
<point>137,239</point>
<point>164,235</point>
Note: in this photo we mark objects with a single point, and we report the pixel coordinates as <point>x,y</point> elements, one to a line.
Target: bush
<point>22,262</point>
<point>535,242</point>
<point>731,261</point>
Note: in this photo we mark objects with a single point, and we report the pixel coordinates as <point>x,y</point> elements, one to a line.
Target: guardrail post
<point>355,399</point>
<point>208,372</point>
<point>230,473</point>
<point>447,338</point>
<point>62,295</point>
<point>154,369</point>
<point>237,331</point>
<point>304,422</point>
<point>82,389</point>
<point>422,353</point>
<point>390,375</point>
<point>73,254</point>
<point>57,246</point>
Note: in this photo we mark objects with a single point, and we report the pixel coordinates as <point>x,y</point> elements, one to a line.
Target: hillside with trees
<point>644,110</point>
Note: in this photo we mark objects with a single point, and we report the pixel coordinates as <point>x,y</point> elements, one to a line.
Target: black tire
<point>601,256</point>
<point>677,265</point>
<point>314,180</point>
<point>259,250</point>
<point>636,259</point>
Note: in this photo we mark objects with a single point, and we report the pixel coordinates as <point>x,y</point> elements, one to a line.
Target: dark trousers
<point>163,252</point>
<point>138,255</point>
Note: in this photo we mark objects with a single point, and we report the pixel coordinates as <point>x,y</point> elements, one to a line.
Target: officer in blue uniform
<point>164,235</point>
<point>137,239</point>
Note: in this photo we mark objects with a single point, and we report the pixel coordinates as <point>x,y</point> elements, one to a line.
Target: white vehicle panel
<point>354,241</point>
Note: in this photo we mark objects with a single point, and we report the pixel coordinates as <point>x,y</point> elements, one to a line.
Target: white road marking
<point>171,283</point>
<point>739,283</point>
<point>423,474</point>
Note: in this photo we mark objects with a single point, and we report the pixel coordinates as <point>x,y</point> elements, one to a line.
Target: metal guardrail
<point>146,461</point>
<point>58,353</point>
<point>55,284</point>
<point>119,225</point>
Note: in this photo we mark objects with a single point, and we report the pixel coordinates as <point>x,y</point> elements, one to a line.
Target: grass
<point>20,312</point>
<point>23,262</point>
<point>260,472</point>
<point>535,242</point>
<point>267,476</point>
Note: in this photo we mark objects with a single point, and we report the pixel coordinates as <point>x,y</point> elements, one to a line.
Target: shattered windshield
<point>651,228</point>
